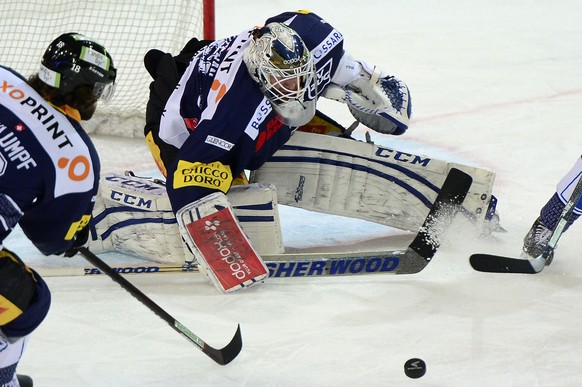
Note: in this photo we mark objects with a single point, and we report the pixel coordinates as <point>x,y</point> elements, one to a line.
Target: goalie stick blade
<point>499,264</point>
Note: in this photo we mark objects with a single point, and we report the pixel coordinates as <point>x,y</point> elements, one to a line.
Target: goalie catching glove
<point>375,99</point>
<point>222,250</point>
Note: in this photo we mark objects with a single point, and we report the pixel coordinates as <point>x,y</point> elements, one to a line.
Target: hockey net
<point>127,28</point>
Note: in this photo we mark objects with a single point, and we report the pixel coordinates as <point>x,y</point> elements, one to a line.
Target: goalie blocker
<point>222,250</point>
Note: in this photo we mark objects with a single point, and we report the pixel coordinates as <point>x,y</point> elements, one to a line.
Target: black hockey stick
<point>222,356</point>
<point>442,213</point>
<point>501,264</point>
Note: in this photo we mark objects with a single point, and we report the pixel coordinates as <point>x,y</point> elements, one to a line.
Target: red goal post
<point>127,28</point>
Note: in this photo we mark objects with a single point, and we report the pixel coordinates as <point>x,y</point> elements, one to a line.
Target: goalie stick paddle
<point>442,213</point>
<point>500,264</point>
<point>222,356</point>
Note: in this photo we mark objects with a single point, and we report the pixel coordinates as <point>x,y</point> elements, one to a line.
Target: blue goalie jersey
<point>221,121</point>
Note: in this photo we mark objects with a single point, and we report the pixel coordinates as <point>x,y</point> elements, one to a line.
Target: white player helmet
<point>279,61</point>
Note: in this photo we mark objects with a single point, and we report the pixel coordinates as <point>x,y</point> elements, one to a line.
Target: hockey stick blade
<point>222,356</point>
<point>489,263</point>
<point>499,264</point>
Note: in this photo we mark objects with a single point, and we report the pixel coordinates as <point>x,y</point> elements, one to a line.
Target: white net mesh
<point>127,28</point>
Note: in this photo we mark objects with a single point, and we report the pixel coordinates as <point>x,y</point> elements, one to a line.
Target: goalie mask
<point>279,61</point>
<point>73,60</point>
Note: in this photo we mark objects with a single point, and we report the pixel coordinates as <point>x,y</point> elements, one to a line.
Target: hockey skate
<point>536,241</point>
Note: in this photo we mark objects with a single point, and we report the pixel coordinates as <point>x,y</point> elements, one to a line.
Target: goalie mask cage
<point>127,29</point>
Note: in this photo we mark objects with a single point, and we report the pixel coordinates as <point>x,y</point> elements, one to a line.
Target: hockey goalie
<point>218,109</point>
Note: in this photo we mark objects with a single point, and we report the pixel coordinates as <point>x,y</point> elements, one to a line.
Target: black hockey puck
<point>415,368</point>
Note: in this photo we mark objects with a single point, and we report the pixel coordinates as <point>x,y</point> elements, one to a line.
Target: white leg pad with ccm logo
<point>219,244</point>
<point>133,216</point>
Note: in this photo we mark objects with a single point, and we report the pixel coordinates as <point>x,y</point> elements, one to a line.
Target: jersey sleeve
<point>52,226</point>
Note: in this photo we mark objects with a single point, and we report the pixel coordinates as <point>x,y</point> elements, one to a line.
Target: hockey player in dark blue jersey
<point>219,108</point>
<point>49,171</point>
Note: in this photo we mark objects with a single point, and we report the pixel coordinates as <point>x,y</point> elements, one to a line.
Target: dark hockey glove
<point>80,239</point>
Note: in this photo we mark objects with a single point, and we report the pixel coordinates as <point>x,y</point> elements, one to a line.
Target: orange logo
<point>78,168</point>
<point>220,88</point>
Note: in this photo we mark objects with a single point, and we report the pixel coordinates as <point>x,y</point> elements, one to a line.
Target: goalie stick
<point>501,264</point>
<point>222,356</point>
<point>409,261</point>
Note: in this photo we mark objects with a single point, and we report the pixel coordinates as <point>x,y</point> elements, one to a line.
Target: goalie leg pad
<point>256,209</point>
<point>356,179</point>
<point>214,235</point>
<point>133,215</point>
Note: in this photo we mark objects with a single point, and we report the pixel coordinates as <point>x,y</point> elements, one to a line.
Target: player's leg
<point>24,303</point>
<point>538,236</point>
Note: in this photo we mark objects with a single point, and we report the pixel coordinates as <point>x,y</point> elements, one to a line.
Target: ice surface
<point>496,84</point>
